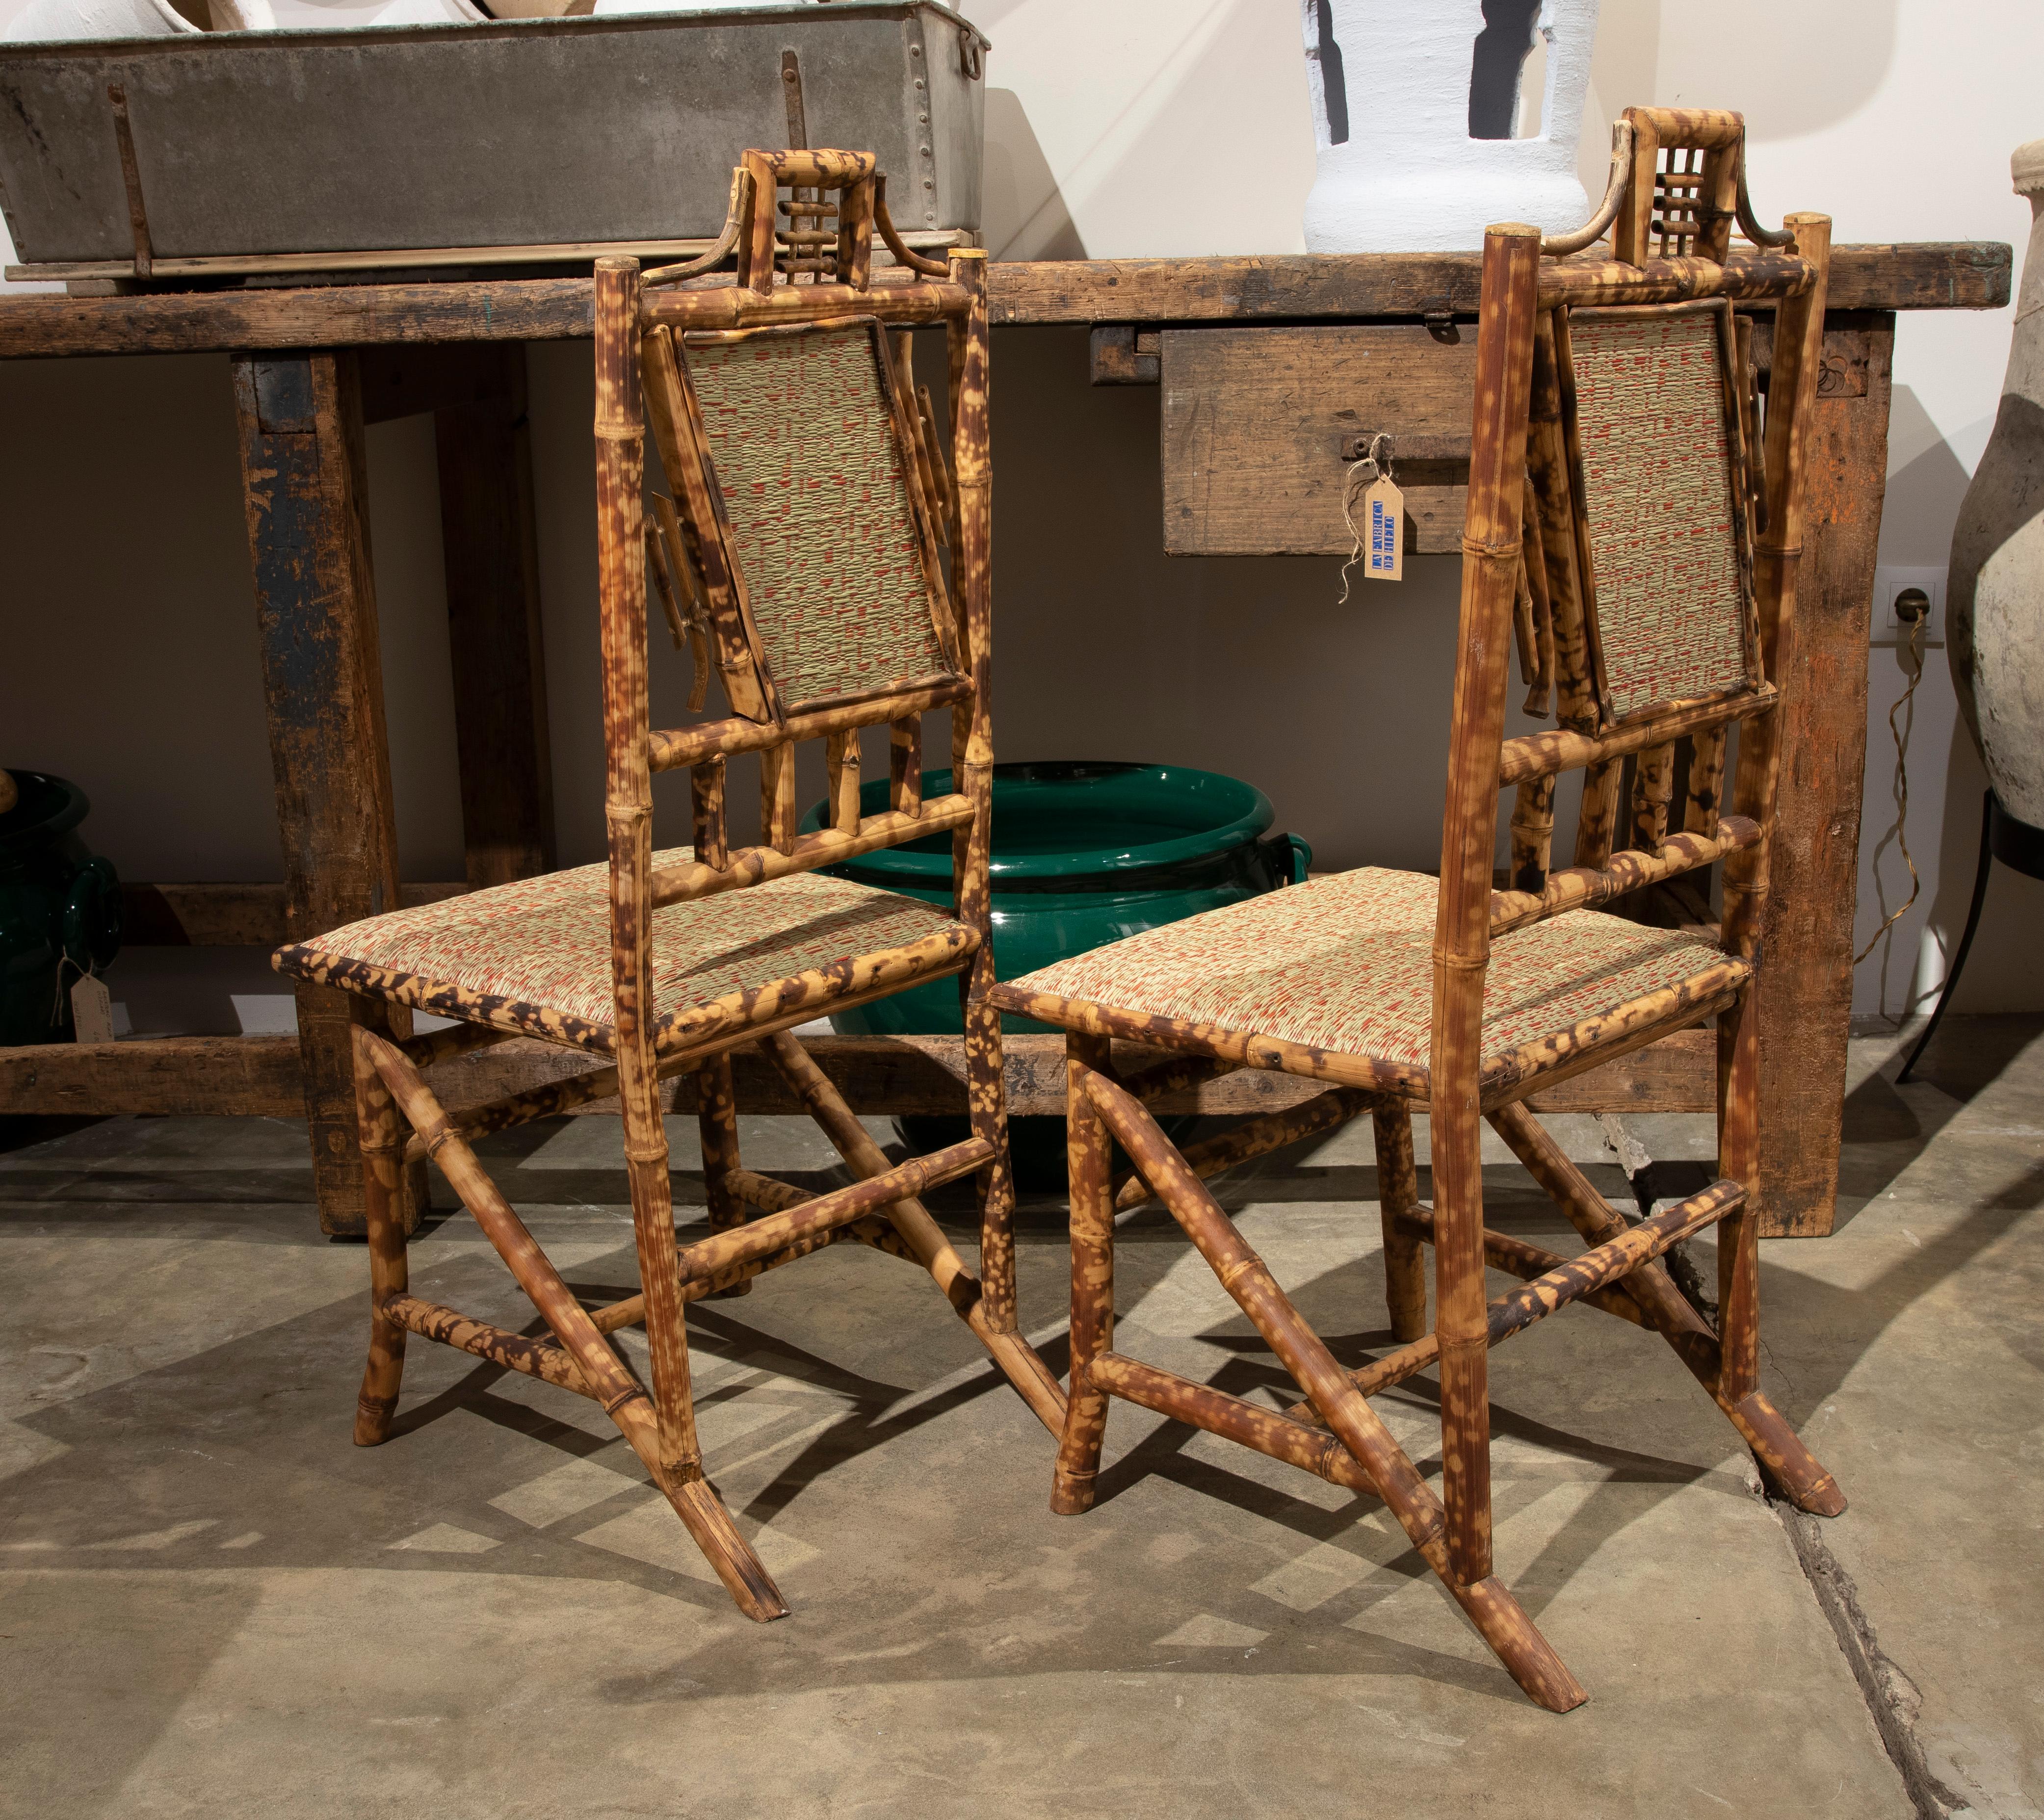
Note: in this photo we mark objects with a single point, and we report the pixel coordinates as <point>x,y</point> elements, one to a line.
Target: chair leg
<point>662,1436</point>
<point>1779,1449</point>
<point>716,1119</point>
<point>1525,1654</point>
<point>1397,1194</point>
<point>1965,942</point>
<point>382,1135</point>
<point>986,1097</point>
<point>1461,1321</point>
<point>1089,1164</point>
<point>694,1499</point>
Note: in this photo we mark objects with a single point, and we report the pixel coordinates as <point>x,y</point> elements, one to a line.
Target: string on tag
<point>1377,462</point>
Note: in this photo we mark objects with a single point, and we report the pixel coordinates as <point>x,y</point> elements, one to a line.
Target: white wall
<point>1116,128</point>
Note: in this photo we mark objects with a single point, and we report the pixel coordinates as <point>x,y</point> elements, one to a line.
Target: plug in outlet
<point>1889,627</point>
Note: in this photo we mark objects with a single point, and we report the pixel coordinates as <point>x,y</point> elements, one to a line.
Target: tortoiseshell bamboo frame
<point>756,1223</point>
<point>1522,510</point>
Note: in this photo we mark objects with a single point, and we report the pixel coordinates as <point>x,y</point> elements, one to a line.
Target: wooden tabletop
<point>1957,274</point>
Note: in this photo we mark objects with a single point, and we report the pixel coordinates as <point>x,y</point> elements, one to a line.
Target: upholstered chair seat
<point>534,956</point>
<point>1344,966</point>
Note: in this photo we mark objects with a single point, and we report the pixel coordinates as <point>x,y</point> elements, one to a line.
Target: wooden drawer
<point>1255,421</point>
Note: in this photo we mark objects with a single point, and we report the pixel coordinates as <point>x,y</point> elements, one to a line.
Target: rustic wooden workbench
<point>313,364</point>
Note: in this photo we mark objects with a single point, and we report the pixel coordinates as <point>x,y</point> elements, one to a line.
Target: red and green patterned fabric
<point>1346,963</point>
<point>816,495</point>
<point>1670,595</point>
<point>543,944</point>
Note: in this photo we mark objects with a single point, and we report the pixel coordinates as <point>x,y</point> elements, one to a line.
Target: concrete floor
<point>210,1601</point>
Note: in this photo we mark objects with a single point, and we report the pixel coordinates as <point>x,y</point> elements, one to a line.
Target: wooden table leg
<point>491,548</point>
<point>303,477</point>
<point>1806,996</point>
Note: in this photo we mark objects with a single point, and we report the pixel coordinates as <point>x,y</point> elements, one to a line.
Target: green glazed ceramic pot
<point>1083,853</point>
<point>58,904</point>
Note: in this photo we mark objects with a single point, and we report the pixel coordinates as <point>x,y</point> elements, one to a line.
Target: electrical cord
<point>1918,613</point>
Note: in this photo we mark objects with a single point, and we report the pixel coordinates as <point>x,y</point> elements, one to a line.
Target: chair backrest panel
<point>818,506</point>
<point>1658,565</point>
<point>1654,439</point>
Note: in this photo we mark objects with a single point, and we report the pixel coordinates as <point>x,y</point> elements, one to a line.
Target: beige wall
<point>1116,128</point>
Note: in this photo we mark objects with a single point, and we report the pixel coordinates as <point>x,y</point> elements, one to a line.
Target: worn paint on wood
<point>306,492</point>
<point>1806,992</point>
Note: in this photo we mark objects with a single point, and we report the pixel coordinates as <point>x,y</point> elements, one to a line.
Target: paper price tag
<point>91,1010</point>
<point>1384,532</point>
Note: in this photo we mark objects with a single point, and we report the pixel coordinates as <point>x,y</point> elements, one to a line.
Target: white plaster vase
<point>1995,591</point>
<point>1399,169</point>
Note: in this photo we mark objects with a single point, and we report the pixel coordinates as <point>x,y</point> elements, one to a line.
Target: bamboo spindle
<point>905,767</point>
<point>1653,794</point>
<point>545,1359</point>
<point>777,797</point>
<point>1533,833</point>
<point>1596,818</point>
<point>1491,544</point>
<point>1086,1151</point>
<point>1750,436</point>
<point>1705,784</point>
<point>716,1126</point>
<point>1540,684</point>
<point>841,764</point>
<point>1398,1199</point>
<point>712,845</point>
<point>1253,1138</point>
<point>382,1138</point>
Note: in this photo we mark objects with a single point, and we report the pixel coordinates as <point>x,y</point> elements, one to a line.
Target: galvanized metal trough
<point>514,141</point>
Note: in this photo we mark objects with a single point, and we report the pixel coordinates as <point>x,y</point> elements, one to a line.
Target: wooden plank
<point>262,1076</point>
<point>489,544</point>
<point>305,490</point>
<point>1959,274</point>
<point>408,259</point>
<point>231,916</point>
<point>235,1076</point>
<point>1972,274</point>
<point>1806,982</point>
<point>299,317</point>
<point>1255,420</point>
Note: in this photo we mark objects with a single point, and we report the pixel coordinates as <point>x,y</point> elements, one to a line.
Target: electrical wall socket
<point>1888,629</point>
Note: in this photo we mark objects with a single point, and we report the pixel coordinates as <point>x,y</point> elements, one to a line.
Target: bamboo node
<point>1496,551</point>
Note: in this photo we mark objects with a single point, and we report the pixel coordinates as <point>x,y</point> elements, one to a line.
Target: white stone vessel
<point>1996,598</point>
<point>1397,86</point>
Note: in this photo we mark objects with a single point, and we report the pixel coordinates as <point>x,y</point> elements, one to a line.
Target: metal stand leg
<point>1965,941</point>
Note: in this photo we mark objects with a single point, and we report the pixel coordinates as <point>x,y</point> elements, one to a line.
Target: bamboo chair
<point>801,544</point>
<point>1611,523</point>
